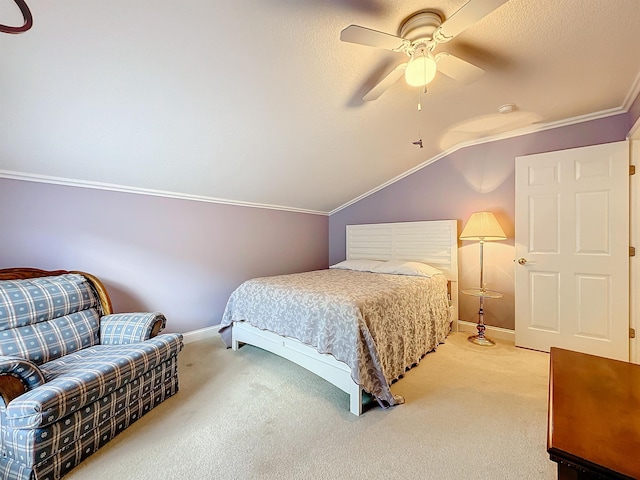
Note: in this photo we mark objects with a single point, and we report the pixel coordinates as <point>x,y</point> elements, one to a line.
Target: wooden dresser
<point>594,416</point>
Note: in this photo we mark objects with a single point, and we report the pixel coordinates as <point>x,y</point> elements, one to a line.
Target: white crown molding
<point>502,136</point>
<point>633,94</point>
<point>634,133</point>
<point>69,182</point>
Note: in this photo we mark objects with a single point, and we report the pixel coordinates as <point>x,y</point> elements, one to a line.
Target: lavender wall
<point>180,257</point>
<point>634,112</point>
<point>479,177</point>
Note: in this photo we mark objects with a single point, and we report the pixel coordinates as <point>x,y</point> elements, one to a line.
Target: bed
<point>363,322</point>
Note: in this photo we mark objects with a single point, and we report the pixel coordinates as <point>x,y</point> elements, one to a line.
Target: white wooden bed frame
<point>432,242</point>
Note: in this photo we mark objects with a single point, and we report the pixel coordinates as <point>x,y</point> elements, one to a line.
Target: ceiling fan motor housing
<point>420,26</point>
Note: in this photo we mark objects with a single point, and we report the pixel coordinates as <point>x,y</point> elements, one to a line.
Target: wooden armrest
<point>23,273</point>
<point>156,329</point>
<point>11,387</point>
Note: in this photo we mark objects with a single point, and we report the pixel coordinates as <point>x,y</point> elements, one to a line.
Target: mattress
<point>379,324</point>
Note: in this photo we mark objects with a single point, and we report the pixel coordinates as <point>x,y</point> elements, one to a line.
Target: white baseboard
<point>492,332</point>
<point>200,334</point>
<point>463,326</point>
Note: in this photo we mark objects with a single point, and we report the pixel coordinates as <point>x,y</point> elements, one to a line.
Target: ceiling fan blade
<point>467,15</point>
<point>371,38</point>
<point>458,69</point>
<point>385,83</point>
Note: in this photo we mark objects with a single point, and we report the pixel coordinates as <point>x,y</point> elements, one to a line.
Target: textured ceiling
<point>259,101</point>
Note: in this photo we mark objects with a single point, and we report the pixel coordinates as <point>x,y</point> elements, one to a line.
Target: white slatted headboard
<point>433,242</point>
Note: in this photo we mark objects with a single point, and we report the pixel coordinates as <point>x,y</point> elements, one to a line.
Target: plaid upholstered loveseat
<point>72,374</point>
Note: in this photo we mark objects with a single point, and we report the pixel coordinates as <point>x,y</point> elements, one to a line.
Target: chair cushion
<point>81,378</point>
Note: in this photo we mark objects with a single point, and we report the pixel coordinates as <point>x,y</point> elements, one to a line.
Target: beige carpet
<point>470,413</point>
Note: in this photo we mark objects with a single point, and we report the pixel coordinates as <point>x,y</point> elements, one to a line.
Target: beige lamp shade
<point>482,226</point>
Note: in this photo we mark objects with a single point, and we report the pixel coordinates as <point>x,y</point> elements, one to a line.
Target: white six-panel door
<point>572,250</point>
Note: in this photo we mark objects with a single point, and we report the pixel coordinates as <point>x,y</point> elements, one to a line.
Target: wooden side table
<point>594,416</point>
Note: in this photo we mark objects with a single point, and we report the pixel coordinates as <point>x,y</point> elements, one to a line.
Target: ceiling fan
<point>420,34</point>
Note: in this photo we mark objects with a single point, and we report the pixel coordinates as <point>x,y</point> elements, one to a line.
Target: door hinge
<point>632,333</point>
<point>632,169</point>
<point>632,251</point>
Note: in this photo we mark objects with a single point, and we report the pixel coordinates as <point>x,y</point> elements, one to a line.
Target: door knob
<point>522,261</point>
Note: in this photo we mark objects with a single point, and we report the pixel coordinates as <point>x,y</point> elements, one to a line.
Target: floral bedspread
<point>380,325</point>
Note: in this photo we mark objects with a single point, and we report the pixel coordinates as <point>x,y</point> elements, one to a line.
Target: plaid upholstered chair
<point>73,374</point>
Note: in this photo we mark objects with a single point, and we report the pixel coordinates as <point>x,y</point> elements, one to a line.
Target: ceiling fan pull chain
<point>26,15</point>
<point>420,98</point>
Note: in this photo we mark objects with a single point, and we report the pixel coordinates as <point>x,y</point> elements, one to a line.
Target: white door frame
<point>634,274</point>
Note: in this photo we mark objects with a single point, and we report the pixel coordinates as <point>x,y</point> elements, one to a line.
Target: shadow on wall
<point>123,299</point>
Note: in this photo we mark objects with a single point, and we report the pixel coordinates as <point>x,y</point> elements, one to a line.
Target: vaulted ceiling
<point>258,101</point>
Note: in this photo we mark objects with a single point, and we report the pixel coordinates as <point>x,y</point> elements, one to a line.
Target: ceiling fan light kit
<point>421,69</point>
<point>420,34</point>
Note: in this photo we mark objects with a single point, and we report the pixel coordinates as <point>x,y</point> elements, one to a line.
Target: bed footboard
<point>322,364</point>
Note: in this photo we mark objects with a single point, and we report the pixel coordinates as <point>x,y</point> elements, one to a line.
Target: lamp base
<point>481,340</point>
